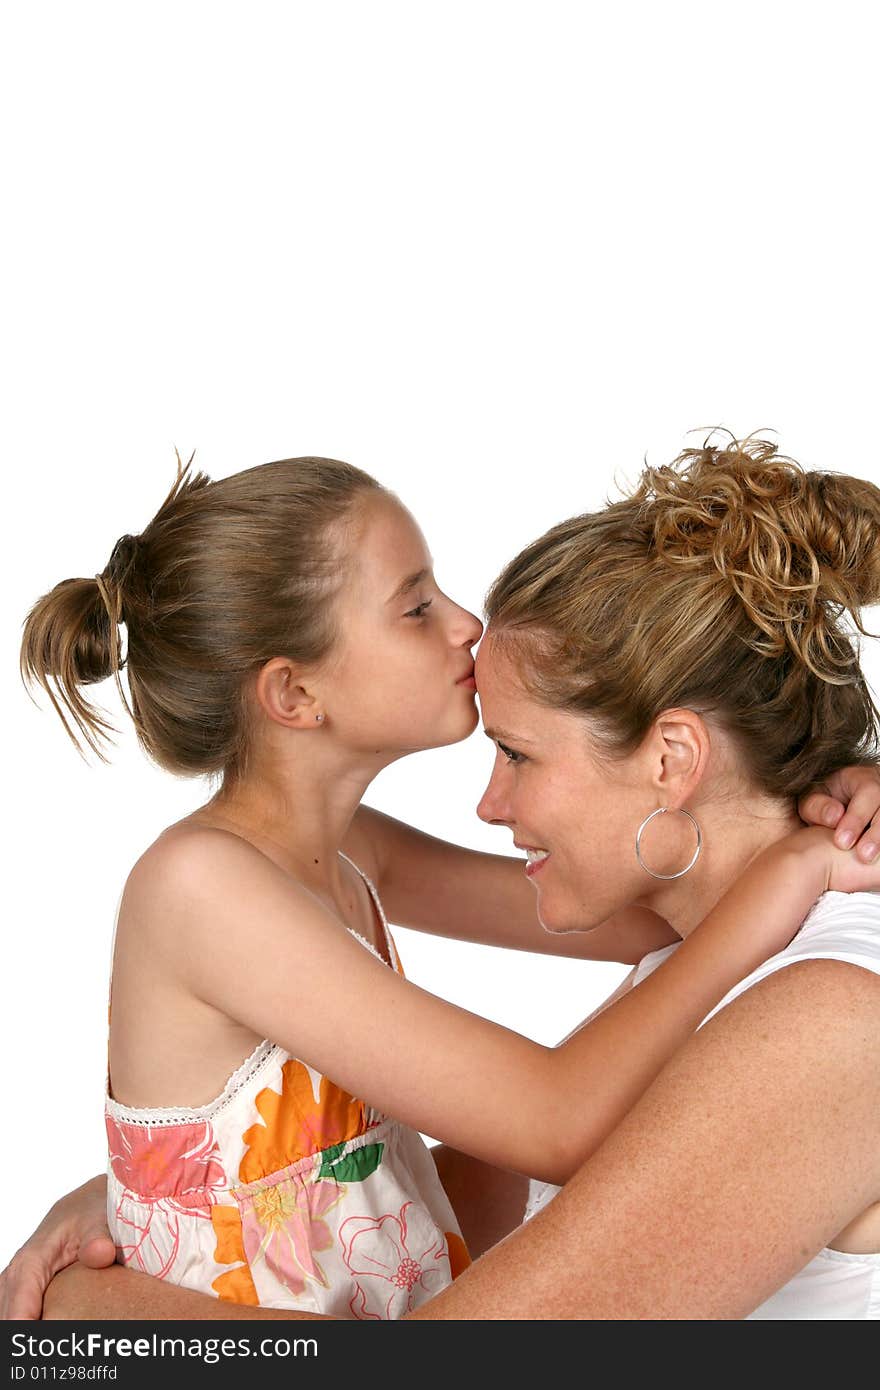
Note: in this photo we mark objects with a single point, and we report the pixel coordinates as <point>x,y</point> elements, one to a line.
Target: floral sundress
<point>284,1191</point>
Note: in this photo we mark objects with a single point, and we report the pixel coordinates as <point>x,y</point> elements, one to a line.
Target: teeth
<point>535,856</point>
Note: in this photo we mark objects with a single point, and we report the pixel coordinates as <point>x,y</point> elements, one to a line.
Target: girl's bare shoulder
<point>180,873</point>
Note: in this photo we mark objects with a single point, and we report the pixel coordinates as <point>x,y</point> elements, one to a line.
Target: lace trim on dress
<point>182,1114</point>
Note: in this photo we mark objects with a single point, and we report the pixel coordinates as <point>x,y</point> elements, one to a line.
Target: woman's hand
<point>74,1228</point>
<point>849,801</point>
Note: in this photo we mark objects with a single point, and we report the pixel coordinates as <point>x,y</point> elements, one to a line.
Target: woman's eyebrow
<point>409,583</point>
<point>496,734</point>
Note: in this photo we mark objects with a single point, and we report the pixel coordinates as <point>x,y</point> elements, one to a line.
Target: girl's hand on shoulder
<point>75,1228</point>
<point>832,869</point>
<point>849,802</point>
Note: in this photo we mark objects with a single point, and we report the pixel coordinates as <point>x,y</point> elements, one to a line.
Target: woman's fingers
<point>98,1251</point>
<point>27,1276</point>
<point>21,1289</point>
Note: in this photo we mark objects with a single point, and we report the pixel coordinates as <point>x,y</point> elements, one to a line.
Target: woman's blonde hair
<point>226,575</point>
<point>722,584</point>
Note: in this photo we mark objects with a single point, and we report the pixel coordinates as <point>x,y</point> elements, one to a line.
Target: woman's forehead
<point>496,674</point>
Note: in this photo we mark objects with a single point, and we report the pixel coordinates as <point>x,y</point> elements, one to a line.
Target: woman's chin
<point>559,922</point>
<point>552,921</point>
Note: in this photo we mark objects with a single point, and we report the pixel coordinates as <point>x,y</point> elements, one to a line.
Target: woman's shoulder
<point>842,927</point>
<point>846,922</point>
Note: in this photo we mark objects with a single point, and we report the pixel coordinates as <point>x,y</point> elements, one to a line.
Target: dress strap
<point>110,981</point>
<point>389,940</point>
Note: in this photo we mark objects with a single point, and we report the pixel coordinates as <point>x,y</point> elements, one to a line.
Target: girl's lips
<point>468,682</point>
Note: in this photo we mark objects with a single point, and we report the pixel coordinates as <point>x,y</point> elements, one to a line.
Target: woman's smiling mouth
<point>537,858</point>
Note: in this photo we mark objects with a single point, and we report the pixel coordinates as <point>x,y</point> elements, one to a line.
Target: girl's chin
<point>467,722</point>
<point>453,730</point>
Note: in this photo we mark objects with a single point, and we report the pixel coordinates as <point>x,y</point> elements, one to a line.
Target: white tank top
<point>835,1284</point>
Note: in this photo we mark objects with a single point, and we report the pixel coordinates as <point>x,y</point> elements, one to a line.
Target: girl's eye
<point>420,611</point>
<point>511,755</point>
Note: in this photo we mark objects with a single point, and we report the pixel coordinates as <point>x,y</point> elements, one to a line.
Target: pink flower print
<point>282,1224</point>
<point>180,1163</point>
<point>147,1241</point>
<point>397,1261</point>
<point>165,1170</point>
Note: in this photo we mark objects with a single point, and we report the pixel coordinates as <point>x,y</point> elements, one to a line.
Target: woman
<point>682,647</point>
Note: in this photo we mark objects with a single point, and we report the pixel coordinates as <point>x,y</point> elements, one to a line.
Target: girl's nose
<point>472,628</point>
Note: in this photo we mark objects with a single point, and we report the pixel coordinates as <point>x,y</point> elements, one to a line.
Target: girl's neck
<point>733,835</point>
<point>298,820</point>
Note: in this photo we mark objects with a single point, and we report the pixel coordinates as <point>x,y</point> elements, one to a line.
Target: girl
<point>279,1185</point>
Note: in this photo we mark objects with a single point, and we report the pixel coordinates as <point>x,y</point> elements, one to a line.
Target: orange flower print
<point>459,1256</point>
<point>167,1169</point>
<point>296,1125</point>
<point>282,1224</point>
<point>234,1285</point>
<point>397,1261</point>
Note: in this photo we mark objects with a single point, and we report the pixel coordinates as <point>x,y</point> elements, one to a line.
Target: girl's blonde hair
<point>226,575</point>
<point>722,584</point>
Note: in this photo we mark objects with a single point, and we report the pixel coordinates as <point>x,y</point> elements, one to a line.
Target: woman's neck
<point>734,833</point>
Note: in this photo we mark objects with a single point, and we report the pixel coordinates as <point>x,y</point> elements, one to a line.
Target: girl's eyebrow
<point>406,584</point>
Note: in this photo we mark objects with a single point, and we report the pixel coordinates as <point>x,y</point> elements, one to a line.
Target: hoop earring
<point>641,830</point>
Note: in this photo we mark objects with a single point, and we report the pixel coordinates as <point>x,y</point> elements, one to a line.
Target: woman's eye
<point>510,754</point>
<point>420,611</point>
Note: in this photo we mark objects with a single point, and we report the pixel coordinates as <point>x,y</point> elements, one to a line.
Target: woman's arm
<point>756,1145</point>
<point>74,1228</point>
<point>488,1203</point>
<point>434,886</point>
<point>480,1088</point>
<point>119,1295</point>
<point>23,1282</point>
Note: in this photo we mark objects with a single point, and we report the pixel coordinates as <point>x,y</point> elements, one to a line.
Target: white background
<point>493,253</point>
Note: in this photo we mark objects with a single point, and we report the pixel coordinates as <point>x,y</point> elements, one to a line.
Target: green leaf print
<point>355,1167</point>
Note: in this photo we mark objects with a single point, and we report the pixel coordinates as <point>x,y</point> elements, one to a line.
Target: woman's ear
<point>680,748</point>
<point>282,691</point>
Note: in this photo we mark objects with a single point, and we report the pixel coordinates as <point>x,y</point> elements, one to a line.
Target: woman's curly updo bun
<point>730,582</point>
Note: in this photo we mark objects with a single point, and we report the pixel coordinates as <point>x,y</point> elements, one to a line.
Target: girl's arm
<point>479,1087</point>
<point>756,1145</point>
<point>434,886</point>
<point>444,889</point>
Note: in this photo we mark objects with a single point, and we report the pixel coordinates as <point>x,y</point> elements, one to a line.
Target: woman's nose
<point>491,805</point>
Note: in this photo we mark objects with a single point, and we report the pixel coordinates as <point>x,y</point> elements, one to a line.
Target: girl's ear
<point>282,692</point>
